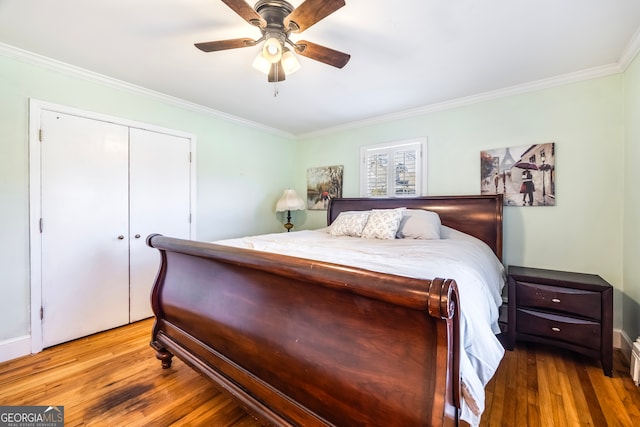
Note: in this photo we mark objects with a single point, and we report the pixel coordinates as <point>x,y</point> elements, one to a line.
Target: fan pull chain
<point>275,84</point>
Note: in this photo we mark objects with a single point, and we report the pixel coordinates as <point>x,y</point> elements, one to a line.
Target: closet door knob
<point>121,237</point>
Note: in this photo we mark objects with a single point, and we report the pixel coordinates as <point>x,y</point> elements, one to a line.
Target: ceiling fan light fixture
<point>261,64</point>
<point>290,63</point>
<point>276,19</point>
<point>272,50</point>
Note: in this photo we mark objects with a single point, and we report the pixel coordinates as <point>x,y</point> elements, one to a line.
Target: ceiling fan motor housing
<point>274,12</point>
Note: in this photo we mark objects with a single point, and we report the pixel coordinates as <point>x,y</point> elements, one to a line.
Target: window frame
<point>390,148</point>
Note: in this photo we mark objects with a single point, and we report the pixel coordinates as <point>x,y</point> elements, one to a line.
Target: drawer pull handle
<point>554,329</point>
<point>556,300</point>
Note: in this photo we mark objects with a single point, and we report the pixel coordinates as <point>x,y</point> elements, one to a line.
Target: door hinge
<point>41,313</point>
<point>40,135</point>
<point>190,159</point>
<point>189,218</point>
<point>41,225</point>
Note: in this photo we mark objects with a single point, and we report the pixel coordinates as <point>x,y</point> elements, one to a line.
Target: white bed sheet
<point>479,274</point>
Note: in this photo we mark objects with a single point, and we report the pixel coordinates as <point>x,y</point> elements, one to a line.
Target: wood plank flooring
<point>537,385</point>
<point>113,379</point>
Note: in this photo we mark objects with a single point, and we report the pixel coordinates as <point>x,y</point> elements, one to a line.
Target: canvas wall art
<point>525,175</point>
<point>323,184</point>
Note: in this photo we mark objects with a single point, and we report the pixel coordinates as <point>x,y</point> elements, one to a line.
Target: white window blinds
<point>392,170</point>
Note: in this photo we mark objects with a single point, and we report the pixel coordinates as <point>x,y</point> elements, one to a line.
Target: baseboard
<point>622,341</point>
<point>15,347</point>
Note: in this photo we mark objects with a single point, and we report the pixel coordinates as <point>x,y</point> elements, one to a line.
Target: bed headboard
<point>479,216</point>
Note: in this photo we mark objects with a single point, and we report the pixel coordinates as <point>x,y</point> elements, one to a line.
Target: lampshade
<point>290,63</point>
<point>272,50</point>
<point>290,202</point>
<point>261,64</point>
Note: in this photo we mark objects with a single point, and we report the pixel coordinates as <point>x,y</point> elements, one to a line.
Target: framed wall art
<point>526,174</point>
<point>323,184</point>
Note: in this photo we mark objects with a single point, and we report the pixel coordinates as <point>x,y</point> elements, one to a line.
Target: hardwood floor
<point>113,379</point>
<point>537,385</point>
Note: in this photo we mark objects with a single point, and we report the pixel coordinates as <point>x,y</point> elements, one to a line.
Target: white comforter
<point>476,270</point>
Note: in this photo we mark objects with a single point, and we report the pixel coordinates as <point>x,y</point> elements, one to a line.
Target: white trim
<point>49,106</point>
<point>68,69</point>
<point>630,51</point>
<point>35,206</point>
<point>14,348</point>
<point>622,341</point>
<point>592,73</point>
<point>35,212</point>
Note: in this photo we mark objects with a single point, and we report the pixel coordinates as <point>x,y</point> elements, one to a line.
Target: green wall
<point>241,170</point>
<point>632,201</point>
<point>583,232</point>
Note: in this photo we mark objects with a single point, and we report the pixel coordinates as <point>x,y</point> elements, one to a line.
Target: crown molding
<point>627,56</point>
<point>91,76</point>
<point>630,51</point>
<point>591,73</point>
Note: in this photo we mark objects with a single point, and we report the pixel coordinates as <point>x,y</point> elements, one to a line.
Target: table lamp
<point>289,202</point>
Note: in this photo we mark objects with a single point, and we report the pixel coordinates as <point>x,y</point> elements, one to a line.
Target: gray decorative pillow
<point>383,223</point>
<point>419,224</point>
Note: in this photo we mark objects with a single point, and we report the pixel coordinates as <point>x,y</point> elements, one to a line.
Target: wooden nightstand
<point>569,310</point>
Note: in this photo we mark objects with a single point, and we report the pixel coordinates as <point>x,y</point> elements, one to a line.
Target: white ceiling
<point>405,55</point>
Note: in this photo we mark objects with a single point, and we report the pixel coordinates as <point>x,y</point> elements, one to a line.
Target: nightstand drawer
<point>573,301</point>
<point>576,331</point>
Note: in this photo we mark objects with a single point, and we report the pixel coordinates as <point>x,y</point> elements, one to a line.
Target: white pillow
<point>349,223</point>
<point>419,224</point>
<point>383,223</point>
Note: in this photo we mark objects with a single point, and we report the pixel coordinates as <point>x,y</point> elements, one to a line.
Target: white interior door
<point>84,239</point>
<point>159,203</point>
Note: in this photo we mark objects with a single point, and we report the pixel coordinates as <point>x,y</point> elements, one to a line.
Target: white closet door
<point>85,268</point>
<point>159,203</point>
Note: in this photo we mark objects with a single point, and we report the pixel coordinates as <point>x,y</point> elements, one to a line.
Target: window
<point>394,169</point>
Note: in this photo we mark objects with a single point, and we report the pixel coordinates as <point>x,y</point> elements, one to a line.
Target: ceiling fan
<point>276,19</point>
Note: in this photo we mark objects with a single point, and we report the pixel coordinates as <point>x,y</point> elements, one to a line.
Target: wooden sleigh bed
<point>303,342</point>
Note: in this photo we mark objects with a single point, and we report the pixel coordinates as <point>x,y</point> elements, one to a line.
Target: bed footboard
<point>302,342</point>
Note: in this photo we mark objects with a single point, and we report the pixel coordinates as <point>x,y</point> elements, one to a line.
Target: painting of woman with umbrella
<point>528,172</point>
<point>528,187</point>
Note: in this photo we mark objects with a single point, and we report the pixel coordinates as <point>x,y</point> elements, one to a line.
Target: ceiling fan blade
<point>225,44</point>
<point>276,74</point>
<point>323,54</point>
<point>310,12</point>
<point>246,12</point>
